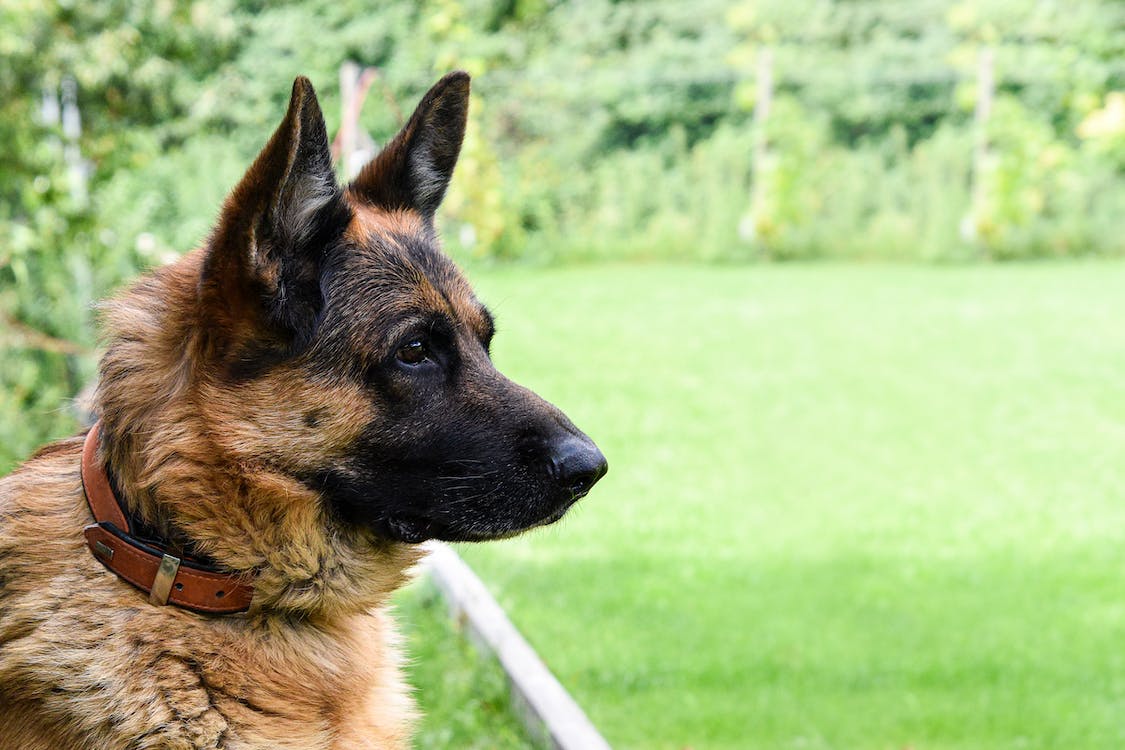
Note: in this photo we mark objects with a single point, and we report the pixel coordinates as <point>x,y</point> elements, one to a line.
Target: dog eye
<point>414,352</point>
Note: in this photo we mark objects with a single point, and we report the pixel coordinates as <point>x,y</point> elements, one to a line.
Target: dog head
<point>348,352</point>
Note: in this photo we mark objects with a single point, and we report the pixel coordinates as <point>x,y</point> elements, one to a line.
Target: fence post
<point>986,87</point>
<point>349,83</point>
<point>76,167</point>
<point>763,79</point>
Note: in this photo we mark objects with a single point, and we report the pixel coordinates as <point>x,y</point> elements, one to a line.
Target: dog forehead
<point>370,222</point>
<point>393,265</point>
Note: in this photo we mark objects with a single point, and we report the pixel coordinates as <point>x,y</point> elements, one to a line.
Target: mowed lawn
<point>847,507</point>
<point>463,694</point>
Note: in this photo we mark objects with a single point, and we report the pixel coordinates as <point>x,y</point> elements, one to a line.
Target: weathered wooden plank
<point>544,704</point>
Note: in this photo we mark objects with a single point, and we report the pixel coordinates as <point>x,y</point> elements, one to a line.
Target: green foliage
<point>893,86</point>
<point>133,65</point>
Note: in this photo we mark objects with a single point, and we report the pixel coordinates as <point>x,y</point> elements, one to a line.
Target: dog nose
<point>577,464</point>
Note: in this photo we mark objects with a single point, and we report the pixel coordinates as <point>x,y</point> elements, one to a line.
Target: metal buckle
<point>162,583</point>
<point>103,551</point>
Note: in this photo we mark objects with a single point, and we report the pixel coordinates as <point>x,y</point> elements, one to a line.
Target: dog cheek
<point>290,422</point>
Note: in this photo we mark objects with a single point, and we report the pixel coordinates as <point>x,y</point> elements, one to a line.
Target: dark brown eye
<point>415,352</point>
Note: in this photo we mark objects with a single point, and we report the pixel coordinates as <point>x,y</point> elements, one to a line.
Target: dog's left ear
<point>276,223</point>
<point>414,169</point>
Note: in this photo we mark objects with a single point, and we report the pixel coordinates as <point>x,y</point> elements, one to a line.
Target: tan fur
<point>311,666</point>
<point>371,221</point>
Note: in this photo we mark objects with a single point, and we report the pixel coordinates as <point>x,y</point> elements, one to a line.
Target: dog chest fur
<point>85,661</point>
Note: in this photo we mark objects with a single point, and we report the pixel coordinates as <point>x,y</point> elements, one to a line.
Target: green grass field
<point>463,695</point>
<point>847,507</point>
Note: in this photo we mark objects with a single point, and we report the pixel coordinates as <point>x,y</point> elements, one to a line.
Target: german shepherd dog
<point>284,414</point>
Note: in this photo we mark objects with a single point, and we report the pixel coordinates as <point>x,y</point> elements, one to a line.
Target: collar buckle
<point>165,577</point>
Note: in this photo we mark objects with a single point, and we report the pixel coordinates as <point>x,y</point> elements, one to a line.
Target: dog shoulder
<point>38,500</point>
<point>42,494</point>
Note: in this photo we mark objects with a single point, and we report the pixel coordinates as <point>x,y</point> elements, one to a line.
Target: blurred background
<point>836,285</point>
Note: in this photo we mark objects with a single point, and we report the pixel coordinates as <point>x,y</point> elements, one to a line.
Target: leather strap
<point>167,578</point>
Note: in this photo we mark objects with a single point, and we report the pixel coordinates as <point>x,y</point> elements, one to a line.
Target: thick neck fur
<point>161,438</point>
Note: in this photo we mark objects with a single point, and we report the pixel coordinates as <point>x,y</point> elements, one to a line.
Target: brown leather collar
<point>166,578</point>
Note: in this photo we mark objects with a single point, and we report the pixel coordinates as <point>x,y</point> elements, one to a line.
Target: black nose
<point>576,464</point>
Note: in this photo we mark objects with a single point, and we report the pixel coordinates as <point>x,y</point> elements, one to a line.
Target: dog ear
<point>276,222</point>
<point>413,170</point>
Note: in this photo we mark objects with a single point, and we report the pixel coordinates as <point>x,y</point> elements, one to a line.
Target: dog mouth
<point>561,510</point>
<point>409,530</point>
<point>415,529</point>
